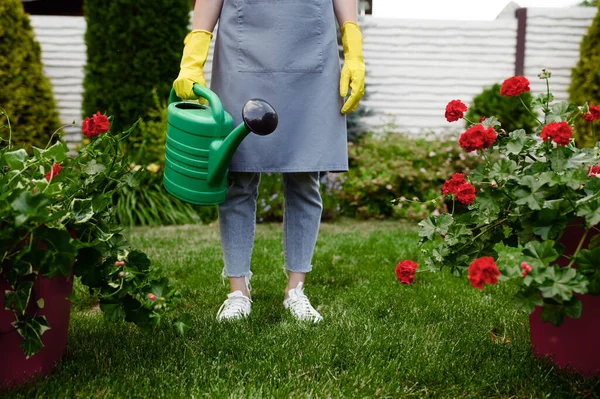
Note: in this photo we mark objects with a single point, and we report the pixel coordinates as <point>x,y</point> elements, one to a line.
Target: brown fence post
<point>521,15</point>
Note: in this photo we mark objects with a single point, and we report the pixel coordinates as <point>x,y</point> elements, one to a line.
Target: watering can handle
<point>213,100</point>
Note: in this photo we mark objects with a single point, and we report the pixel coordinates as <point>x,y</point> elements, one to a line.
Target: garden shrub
<point>585,81</point>
<point>25,93</point>
<point>509,110</point>
<point>393,176</point>
<point>133,49</point>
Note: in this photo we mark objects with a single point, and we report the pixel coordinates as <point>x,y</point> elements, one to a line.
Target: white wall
<point>414,67</point>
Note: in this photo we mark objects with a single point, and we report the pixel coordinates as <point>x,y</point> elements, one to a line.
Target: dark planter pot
<point>574,344</point>
<point>14,367</point>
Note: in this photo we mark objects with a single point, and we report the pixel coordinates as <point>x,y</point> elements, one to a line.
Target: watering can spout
<point>200,143</point>
<point>259,117</point>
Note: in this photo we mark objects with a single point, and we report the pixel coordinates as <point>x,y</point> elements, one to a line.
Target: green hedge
<point>585,81</point>
<point>25,93</point>
<point>133,50</point>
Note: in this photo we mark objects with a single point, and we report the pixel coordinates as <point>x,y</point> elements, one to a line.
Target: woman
<point>285,52</point>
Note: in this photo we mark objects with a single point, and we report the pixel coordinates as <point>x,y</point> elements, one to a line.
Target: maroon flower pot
<point>574,344</point>
<point>14,367</point>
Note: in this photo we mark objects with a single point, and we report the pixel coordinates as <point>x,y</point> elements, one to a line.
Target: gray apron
<point>285,52</point>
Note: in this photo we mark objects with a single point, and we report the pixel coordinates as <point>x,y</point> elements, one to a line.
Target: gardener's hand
<point>194,56</point>
<point>353,71</point>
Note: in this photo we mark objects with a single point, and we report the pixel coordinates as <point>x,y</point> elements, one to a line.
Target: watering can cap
<point>259,117</point>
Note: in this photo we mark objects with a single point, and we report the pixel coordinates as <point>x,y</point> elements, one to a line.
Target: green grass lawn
<point>379,338</point>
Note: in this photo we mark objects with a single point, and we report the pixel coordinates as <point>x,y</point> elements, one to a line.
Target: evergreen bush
<point>585,80</point>
<point>25,93</point>
<point>509,110</point>
<point>133,50</point>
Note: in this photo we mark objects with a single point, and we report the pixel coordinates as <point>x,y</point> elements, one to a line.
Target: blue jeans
<point>301,221</point>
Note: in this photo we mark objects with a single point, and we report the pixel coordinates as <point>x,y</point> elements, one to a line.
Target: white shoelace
<point>235,306</point>
<point>300,306</point>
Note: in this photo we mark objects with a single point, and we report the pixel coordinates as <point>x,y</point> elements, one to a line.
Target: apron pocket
<point>280,36</point>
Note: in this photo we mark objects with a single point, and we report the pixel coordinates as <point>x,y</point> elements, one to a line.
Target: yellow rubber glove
<point>353,71</point>
<point>194,56</point>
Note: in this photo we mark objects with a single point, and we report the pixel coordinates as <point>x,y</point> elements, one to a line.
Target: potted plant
<point>529,213</point>
<point>58,222</point>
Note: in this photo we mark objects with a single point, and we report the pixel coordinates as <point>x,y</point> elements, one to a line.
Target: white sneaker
<point>236,306</point>
<point>300,306</point>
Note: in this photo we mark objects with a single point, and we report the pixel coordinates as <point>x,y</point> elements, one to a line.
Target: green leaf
<point>138,260</point>
<point>560,108</point>
<point>82,210</point>
<point>562,282</point>
<point>113,312</point>
<point>18,299</point>
<point>530,192</point>
<point>182,323</point>
<point>528,298</point>
<point>434,226</point>
<point>32,341</point>
<point>543,251</point>
<point>590,210</point>
<point>29,205</point>
<point>57,152</point>
<point>15,159</point>
<point>559,158</point>
<point>509,260</point>
<point>457,233</point>
<point>548,224</point>
<point>503,170</point>
<point>491,121</point>
<point>592,186</point>
<point>542,99</point>
<point>588,263</point>
<point>93,168</point>
<point>517,141</point>
<point>555,312</point>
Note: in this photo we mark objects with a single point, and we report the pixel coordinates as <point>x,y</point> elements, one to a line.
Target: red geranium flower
<point>455,110</point>
<point>466,193</point>
<point>97,124</point>
<point>483,118</point>
<point>588,118</point>
<point>405,271</point>
<point>53,172</point>
<point>477,138</point>
<point>594,171</point>
<point>513,87</point>
<point>482,271</point>
<point>595,111</point>
<point>152,297</point>
<point>559,132</point>
<point>451,185</point>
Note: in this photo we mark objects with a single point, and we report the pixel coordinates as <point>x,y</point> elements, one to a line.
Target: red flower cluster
<point>594,171</point>
<point>593,115</point>
<point>96,125</point>
<point>152,297</point>
<point>526,269</point>
<point>483,270</point>
<point>515,86</point>
<point>455,110</point>
<point>53,172</point>
<point>451,185</point>
<point>405,271</point>
<point>559,132</point>
<point>458,186</point>
<point>477,138</point>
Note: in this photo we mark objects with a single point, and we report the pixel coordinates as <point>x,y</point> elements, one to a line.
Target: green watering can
<point>200,144</point>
